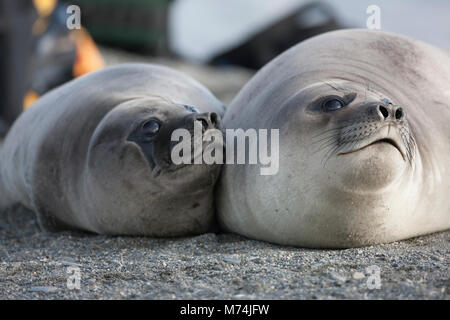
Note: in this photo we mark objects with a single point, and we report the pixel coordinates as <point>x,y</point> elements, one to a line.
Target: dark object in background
<point>139,25</point>
<point>54,54</point>
<point>16,20</point>
<point>309,20</point>
<point>37,53</point>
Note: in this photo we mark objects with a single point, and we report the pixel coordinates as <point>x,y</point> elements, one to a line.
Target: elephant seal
<point>94,154</point>
<point>364,143</point>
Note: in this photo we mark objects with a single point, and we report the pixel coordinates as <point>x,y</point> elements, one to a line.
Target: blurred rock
<point>224,82</point>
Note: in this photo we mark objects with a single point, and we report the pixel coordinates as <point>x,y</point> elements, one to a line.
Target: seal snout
<point>378,123</point>
<point>209,120</point>
<point>194,146</point>
<point>387,111</point>
<point>383,123</point>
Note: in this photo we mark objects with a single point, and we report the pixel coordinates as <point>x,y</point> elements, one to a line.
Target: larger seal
<point>95,154</point>
<point>364,143</point>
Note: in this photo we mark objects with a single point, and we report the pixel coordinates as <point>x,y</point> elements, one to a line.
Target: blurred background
<point>221,43</point>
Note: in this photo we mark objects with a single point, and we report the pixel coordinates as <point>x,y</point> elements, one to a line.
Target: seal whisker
<point>324,140</point>
<point>329,130</point>
<point>409,142</point>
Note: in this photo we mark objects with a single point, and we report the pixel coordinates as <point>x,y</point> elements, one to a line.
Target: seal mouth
<point>390,141</point>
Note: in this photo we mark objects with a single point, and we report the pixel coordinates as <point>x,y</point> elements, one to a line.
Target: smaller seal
<point>95,154</point>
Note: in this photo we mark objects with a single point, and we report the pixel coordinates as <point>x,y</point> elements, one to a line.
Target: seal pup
<point>364,143</point>
<point>94,154</point>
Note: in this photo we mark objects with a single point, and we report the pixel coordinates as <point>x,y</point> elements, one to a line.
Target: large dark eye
<point>151,128</point>
<point>332,104</point>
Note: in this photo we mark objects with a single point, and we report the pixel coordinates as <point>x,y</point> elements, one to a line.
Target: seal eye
<point>151,127</point>
<point>332,104</point>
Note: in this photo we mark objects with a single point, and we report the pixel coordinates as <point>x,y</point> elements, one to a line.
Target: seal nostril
<point>399,113</point>
<point>204,119</point>
<point>384,111</point>
<point>213,117</point>
<point>204,124</point>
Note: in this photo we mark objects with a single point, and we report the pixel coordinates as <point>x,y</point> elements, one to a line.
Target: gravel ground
<point>35,265</point>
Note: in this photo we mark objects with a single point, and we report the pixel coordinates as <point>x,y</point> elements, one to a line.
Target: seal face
<point>95,154</point>
<point>363,143</point>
